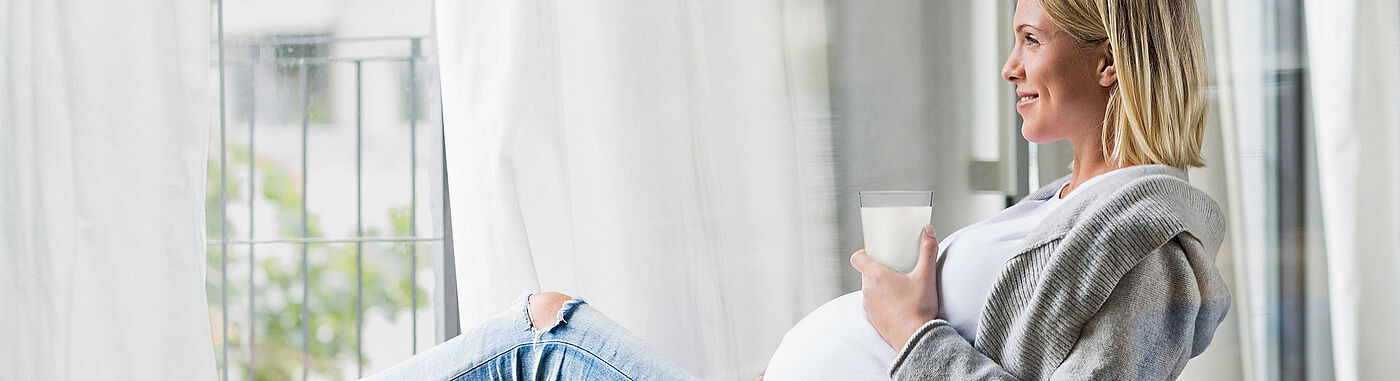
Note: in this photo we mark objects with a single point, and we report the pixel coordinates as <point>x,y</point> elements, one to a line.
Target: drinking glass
<point>892,223</point>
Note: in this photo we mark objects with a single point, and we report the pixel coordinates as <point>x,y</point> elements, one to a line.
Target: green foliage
<point>331,270</point>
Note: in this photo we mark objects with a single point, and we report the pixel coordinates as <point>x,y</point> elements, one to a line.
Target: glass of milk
<point>892,223</point>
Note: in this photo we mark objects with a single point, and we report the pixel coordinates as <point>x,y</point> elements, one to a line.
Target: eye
<point>1030,40</point>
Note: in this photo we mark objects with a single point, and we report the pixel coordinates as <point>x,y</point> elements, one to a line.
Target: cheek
<point>1067,101</point>
<point>1041,121</point>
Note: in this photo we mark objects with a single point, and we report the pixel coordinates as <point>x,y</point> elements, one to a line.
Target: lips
<point>1025,98</point>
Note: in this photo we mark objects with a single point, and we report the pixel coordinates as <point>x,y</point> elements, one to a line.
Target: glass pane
<point>278,320</point>
<point>332,310</point>
<point>389,297</point>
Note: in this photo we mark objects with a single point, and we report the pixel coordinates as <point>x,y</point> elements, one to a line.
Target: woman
<point>1105,274</point>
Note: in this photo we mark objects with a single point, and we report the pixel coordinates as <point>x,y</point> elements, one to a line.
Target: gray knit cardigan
<point>1118,283</point>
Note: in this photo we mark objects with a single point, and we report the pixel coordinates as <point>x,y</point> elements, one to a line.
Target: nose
<point>1012,70</point>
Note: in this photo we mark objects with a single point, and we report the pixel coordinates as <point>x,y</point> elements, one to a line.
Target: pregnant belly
<point>833,342</point>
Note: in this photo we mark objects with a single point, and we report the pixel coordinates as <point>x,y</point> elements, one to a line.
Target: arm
<point>1146,329</point>
<point>936,351</point>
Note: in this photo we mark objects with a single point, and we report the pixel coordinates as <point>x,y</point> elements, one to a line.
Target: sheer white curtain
<point>1240,52</point>
<point>1354,59</point>
<point>103,139</point>
<point>668,161</point>
<point>1352,180</point>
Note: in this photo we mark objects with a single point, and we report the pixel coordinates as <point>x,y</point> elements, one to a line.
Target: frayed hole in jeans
<point>561,316</point>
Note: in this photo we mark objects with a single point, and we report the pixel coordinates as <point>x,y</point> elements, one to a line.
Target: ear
<point>1108,71</point>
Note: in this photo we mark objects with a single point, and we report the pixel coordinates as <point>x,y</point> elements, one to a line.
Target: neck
<point>1089,161</point>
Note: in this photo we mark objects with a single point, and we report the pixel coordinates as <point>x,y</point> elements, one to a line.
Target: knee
<point>544,308</point>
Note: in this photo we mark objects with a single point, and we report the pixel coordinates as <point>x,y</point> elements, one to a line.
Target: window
<point>325,203</point>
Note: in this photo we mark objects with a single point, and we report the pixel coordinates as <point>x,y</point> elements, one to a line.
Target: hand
<point>898,304</point>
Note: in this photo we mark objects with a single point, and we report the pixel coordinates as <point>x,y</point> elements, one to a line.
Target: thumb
<point>928,251</point>
<point>861,261</point>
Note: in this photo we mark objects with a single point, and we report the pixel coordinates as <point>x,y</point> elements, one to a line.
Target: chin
<point>1033,135</point>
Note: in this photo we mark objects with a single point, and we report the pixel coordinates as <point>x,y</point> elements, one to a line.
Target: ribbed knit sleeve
<point>937,352</point>
<point>1160,314</point>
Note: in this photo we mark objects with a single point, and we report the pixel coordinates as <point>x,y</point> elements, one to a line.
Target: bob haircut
<point>1157,111</point>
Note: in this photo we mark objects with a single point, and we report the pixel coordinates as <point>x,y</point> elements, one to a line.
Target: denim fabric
<point>583,345</point>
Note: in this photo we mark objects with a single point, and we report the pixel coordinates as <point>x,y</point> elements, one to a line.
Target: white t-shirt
<point>836,342</point>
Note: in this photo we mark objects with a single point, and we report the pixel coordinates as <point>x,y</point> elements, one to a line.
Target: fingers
<point>861,261</point>
<point>867,266</point>
<point>928,251</point>
<point>871,272</point>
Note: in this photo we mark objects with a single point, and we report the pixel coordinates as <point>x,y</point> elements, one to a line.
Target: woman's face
<point>1062,87</point>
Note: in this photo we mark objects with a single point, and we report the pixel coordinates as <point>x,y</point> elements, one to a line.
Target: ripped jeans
<point>583,345</point>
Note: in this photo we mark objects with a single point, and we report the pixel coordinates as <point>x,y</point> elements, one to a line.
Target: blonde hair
<point>1157,110</point>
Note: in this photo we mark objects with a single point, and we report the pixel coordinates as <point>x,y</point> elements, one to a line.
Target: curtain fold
<point>103,138</point>
<point>1354,57</point>
<point>670,162</point>
<point>1247,59</point>
<point>1240,178</point>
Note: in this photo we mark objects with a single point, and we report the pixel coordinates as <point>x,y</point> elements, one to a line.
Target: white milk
<point>892,234</point>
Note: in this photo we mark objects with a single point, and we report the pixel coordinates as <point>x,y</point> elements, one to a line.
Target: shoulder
<point>1159,202</point>
<point>1139,207</point>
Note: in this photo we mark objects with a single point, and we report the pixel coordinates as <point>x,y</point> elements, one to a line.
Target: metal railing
<point>303,64</point>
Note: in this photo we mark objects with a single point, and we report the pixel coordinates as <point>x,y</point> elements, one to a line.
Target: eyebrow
<point>1023,26</point>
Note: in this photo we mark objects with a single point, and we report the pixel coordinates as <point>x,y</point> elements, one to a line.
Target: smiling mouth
<point>1027,100</point>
